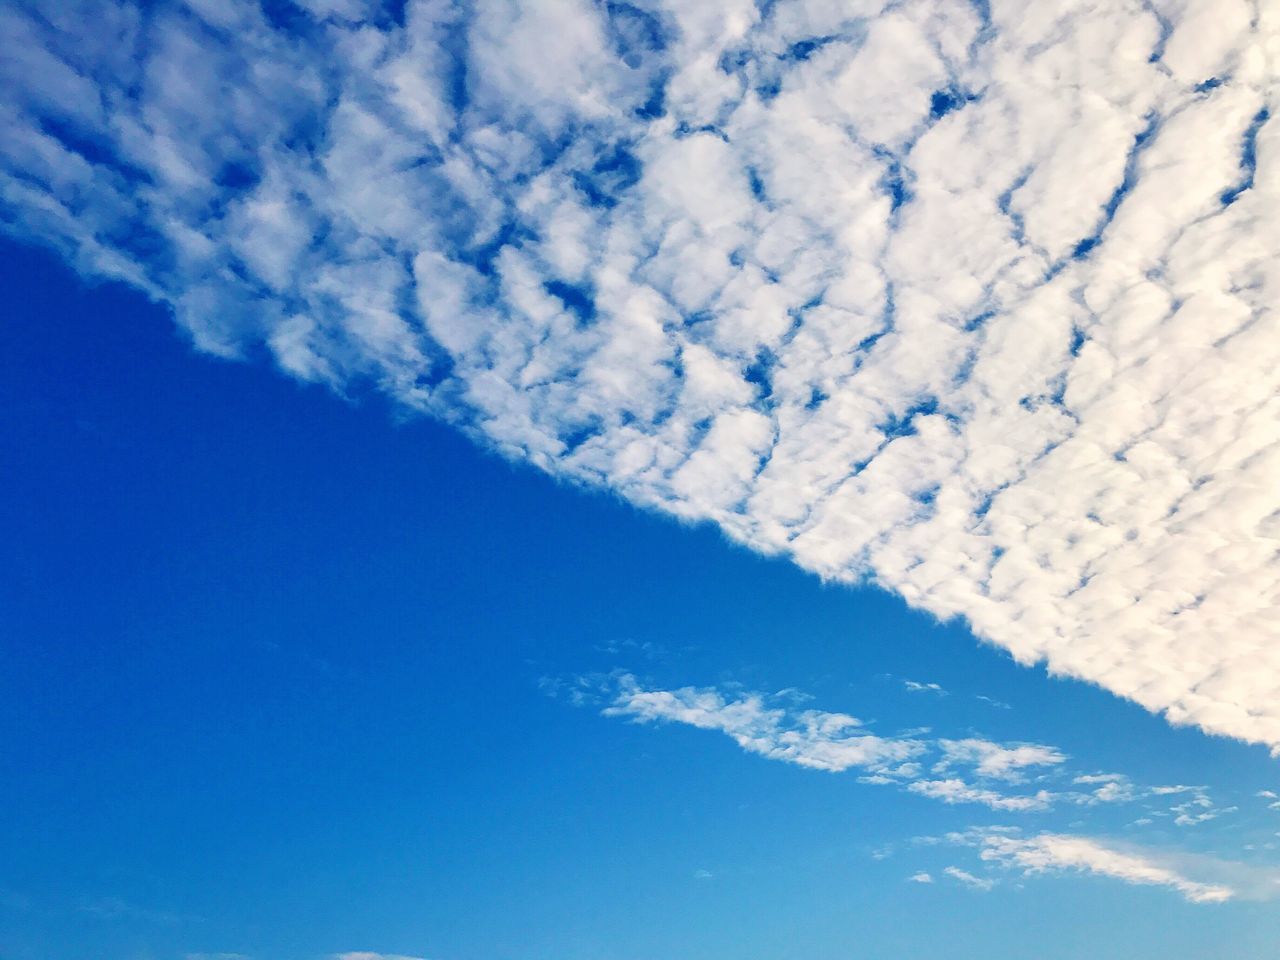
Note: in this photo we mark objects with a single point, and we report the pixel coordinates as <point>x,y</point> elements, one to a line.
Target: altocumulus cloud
<point>972,300</point>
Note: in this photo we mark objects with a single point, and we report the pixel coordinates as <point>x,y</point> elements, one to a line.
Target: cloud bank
<point>975,301</point>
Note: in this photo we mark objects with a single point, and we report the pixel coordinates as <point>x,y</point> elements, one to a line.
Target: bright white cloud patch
<point>976,300</point>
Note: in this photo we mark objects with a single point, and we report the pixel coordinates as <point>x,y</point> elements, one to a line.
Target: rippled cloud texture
<point>971,299</point>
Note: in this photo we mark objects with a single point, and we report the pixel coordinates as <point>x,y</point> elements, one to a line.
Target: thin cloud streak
<point>831,741</point>
<point>1050,852</point>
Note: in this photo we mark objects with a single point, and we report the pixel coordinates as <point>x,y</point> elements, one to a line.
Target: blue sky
<point>577,479</point>
<point>273,688</point>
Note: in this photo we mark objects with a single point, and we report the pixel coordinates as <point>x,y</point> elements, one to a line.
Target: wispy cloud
<point>998,704</point>
<point>808,738</point>
<point>1028,779</point>
<point>996,760</point>
<point>957,791</point>
<point>1199,809</point>
<point>1105,788</point>
<point>1050,852</point>
<point>774,728</point>
<point>968,879</point>
<point>914,686</point>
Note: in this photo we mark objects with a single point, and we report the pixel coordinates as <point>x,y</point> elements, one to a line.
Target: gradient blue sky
<point>275,684</point>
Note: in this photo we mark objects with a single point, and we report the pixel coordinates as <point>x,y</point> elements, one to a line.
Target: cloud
<point>968,879</point>
<point>996,760</point>
<point>824,740</point>
<point>1050,852</point>
<point>998,704</point>
<point>1198,878</point>
<point>957,791</point>
<point>881,292</point>
<point>808,738</point>
<point>920,877</point>
<point>1108,788</point>
<point>366,955</point>
<point>1197,810</point>
<point>915,686</point>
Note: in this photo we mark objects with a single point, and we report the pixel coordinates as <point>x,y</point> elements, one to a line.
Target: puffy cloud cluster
<point>972,300</point>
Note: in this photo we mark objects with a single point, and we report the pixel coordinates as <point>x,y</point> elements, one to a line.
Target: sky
<point>601,480</point>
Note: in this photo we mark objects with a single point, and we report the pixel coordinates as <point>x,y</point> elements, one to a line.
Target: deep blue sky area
<point>271,685</point>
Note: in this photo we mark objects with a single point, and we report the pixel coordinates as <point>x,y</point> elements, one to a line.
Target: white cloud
<point>366,955</point>
<point>1170,789</point>
<point>1198,878</point>
<point>808,738</point>
<point>823,740</point>
<point>968,879</point>
<point>920,877</point>
<point>953,790</point>
<point>1197,810</point>
<point>1049,852</point>
<point>997,760</point>
<point>1108,788</point>
<point>994,328</point>
<point>914,686</point>
<point>998,704</point>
